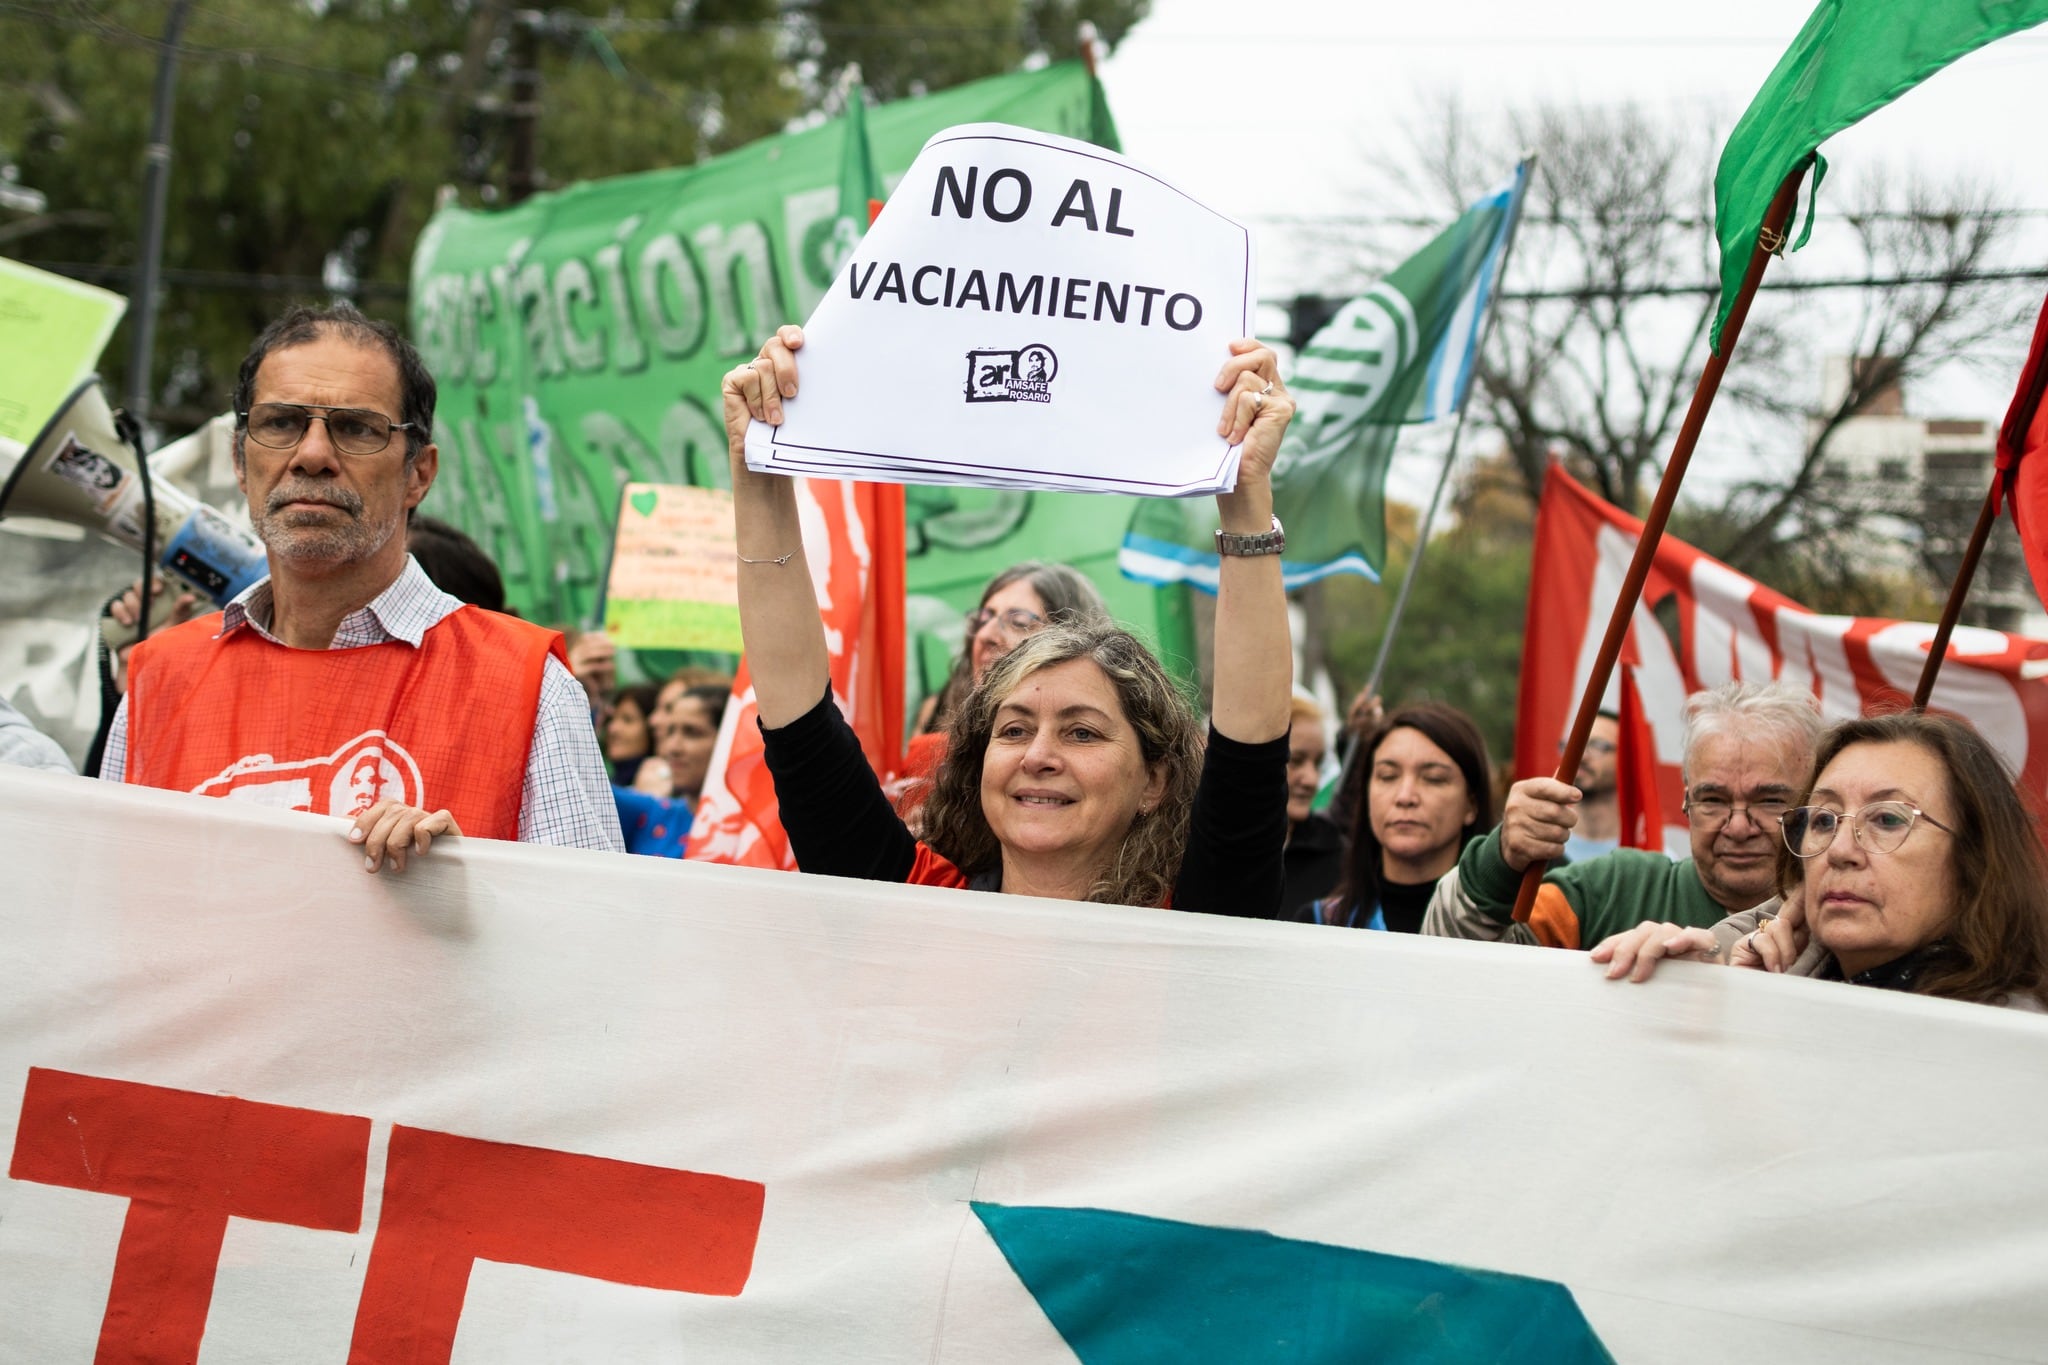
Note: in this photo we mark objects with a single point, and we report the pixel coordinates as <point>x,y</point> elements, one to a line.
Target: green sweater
<point>1607,894</point>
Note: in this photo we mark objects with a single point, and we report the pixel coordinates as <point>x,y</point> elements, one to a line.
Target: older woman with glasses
<point>1911,865</point>
<point>1075,770</point>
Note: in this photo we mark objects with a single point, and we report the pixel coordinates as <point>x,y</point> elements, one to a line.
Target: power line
<point>1781,283</point>
<point>1788,285</point>
<point>1348,220</point>
<point>229,280</point>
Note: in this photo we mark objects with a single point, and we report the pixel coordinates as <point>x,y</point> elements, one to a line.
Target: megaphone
<point>83,468</point>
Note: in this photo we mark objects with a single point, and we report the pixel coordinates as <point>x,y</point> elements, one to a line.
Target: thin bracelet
<point>781,559</point>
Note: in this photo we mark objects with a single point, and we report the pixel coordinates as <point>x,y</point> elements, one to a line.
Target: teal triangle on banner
<point>1128,1290</point>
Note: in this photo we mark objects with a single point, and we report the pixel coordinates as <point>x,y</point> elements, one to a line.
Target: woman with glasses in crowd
<point>1075,770</point>
<point>1911,865</point>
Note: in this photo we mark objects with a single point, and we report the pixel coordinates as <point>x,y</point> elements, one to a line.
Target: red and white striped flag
<point>853,537</point>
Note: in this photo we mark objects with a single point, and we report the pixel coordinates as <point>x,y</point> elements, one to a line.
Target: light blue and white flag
<point>1402,352</point>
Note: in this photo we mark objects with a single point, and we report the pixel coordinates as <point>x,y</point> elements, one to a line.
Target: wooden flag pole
<point>1769,238</point>
<point>1986,517</point>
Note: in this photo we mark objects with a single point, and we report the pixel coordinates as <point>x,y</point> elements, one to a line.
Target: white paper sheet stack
<point>1028,312</point>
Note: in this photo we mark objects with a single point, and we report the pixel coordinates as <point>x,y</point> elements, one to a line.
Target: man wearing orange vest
<point>346,683</point>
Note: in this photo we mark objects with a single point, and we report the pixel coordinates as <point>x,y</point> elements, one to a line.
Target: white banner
<point>532,1104</point>
<point>1028,311</point>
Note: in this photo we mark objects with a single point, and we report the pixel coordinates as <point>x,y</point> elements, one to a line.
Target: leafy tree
<point>313,137</point>
<point>909,47</point>
<point>1602,338</point>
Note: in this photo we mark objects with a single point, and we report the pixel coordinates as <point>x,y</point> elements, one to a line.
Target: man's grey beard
<point>348,542</point>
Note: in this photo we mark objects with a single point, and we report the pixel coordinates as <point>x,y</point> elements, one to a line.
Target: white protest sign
<point>1027,311</point>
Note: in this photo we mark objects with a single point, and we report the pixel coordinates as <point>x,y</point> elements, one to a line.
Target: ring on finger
<point>1258,400</point>
<point>1268,389</point>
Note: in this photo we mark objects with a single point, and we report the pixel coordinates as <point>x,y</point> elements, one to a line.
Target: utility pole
<point>522,173</point>
<point>156,188</point>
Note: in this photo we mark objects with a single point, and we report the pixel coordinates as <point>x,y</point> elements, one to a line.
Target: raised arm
<point>1254,655</point>
<point>779,620</point>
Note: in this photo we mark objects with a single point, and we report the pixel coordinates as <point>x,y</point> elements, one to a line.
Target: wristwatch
<point>1263,543</point>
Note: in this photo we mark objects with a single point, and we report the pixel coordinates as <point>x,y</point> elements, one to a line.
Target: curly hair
<point>1997,936</point>
<point>955,824</point>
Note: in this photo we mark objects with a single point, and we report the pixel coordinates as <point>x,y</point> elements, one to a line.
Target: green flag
<point>1852,58</point>
<point>1403,352</point>
<point>860,181</point>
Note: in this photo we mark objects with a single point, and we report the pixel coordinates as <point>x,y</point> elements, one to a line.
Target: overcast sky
<point>1265,111</point>
<point>1262,108</point>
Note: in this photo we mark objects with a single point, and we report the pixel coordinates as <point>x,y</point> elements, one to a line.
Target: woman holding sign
<point>1076,769</point>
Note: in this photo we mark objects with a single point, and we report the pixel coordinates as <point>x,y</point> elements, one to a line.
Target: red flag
<point>2026,480</point>
<point>854,541</point>
<point>1642,813</point>
<point>1724,625</point>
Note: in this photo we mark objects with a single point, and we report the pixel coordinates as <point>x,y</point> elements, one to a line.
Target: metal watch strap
<point>1263,543</point>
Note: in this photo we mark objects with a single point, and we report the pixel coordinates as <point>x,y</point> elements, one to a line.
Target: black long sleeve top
<point>841,825</point>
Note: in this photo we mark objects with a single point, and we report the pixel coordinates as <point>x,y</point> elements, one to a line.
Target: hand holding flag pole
<point>1770,239</point>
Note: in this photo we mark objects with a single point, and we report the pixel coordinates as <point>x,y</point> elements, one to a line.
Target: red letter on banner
<point>451,1200</point>
<point>186,1162</point>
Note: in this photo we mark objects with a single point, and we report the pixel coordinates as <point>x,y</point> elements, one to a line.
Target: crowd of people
<point>374,674</point>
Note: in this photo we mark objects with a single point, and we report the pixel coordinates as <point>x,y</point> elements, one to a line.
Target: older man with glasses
<point>346,683</point>
<point>1747,750</point>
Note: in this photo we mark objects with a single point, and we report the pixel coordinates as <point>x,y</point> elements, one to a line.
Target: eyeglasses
<point>1880,827</point>
<point>353,431</point>
<point>1015,620</point>
<point>1712,812</point>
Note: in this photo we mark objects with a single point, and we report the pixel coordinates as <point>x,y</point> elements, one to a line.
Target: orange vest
<point>334,731</point>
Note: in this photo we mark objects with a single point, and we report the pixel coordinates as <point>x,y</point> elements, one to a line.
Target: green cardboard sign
<point>52,331</point>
